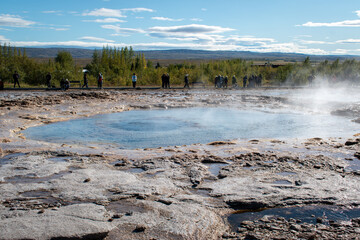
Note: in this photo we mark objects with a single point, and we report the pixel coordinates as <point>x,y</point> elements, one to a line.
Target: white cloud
<point>314,42</point>
<point>192,28</point>
<point>5,29</point>
<point>342,52</point>
<point>3,39</point>
<point>59,29</point>
<point>347,23</point>
<point>138,10</point>
<point>204,9</point>
<point>51,12</point>
<point>196,19</point>
<point>14,21</point>
<point>120,30</point>
<point>96,39</point>
<point>119,13</point>
<point>349,41</point>
<point>167,19</point>
<point>105,20</point>
<point>105,12</point>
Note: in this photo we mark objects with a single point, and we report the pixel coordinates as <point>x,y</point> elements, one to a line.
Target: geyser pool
<point>156,128</point>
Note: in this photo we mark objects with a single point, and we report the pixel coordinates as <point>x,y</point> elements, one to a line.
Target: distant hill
<point>186,54</point>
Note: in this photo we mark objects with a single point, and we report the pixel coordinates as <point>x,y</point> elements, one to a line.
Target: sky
<point>320,27</point>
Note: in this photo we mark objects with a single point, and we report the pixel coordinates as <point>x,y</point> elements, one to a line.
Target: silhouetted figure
<point>134,79</point>
<point>260,80</point>
<point>311,79</point>
<point>64,84</point>
<point>234,81</point>
<point>186,80</point>
<point>1,84</point>
<point>225,82</point>
<point>48,80</point>
<point>244,81</point>
<point>217,80</point>
<point>86,81</point>
<point>16,78</point>
<point>163,80</point>
<point>100,81</point>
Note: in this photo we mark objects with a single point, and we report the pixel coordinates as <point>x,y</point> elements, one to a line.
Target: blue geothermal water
<point>160,128</point>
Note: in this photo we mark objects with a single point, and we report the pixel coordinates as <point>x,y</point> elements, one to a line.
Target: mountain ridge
<point>188,54</point>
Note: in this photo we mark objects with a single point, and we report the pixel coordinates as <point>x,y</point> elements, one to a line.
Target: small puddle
<point>282,182</point>
<point>286,173</point>
<point>135,170</point>
<point>354,165</point>
<point>150,175</point>
<point>251,168</point>
<point>6,159</point>
<point>124,207</point>
<point>307,214</point>
<point>30,178</point>
<point>36,194</point>
<point>214,168</point>
<point>59,159</point>
<point>201,191</point>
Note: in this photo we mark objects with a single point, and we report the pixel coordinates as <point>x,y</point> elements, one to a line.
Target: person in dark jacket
<point>86,81</point>
<point>16,78</point>
<point>186,80</point>
<point>48,80</point>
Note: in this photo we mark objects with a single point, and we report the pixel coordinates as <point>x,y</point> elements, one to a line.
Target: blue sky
<point>301,26</point>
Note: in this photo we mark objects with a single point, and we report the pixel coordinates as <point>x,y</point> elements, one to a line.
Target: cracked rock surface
<point>98,191</point>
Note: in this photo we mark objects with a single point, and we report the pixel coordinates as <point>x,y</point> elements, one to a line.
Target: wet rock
<point>357,155</point>
<point>252,236</point>
<point>352,142</point>
<point>140,229</point>
<point>72,222</point>
<point>196,175</point>
<point>299,183</point>
<point>229,235</point>
<point>216,143</point>
<point>295,227</point>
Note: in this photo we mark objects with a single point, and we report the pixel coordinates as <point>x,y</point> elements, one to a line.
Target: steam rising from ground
<point>325,97</point>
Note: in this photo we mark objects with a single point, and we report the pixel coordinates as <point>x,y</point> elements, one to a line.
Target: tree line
<point>118,64</point>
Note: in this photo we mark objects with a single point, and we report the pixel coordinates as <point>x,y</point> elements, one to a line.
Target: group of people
<point>252,81</point>
<point>221,81</point>
<point>165,80</point>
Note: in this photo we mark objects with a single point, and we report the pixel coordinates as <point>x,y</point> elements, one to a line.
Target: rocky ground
<point>71,191</point>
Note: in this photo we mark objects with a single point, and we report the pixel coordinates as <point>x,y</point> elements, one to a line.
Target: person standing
<point>167,80</point>
<point>100,81</point>
<point>186,80</point>
<point>134,79</point>
<point>163,80</point>
<point>48,80</point>
<point>16,78</point>
<point>225,83</point>
<point>244,81</point>
<point>86,81</point>
<point>1,84</point>
<point>234,81</point>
